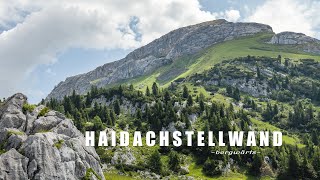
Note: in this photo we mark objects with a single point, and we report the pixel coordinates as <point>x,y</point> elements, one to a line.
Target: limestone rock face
<point>48,147</point>
<point>13,165</point>
<point>178,43</point>
<point>304,42</point>
<point>292,38</point>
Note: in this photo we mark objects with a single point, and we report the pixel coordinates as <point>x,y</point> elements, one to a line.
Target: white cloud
<point>37,31</point>
<point>289,15</point>
<point>50,72</point>
<point>232,15</point>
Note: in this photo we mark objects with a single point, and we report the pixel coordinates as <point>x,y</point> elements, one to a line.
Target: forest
<point>215,100</point>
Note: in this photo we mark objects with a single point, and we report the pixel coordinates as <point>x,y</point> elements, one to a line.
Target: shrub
<point>43,112</point>
<point>211,167</point>
<point>59,144</point>
<point>28,107</point>
<point>89,172</point>
<point>15,132</point>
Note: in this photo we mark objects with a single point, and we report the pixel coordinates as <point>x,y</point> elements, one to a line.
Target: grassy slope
<point>253,46</point>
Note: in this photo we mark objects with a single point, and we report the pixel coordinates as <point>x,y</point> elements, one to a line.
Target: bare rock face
<point>291,38</point>
<point>13,165</point>
<point>306,43</point>
<point>48,147</point>
<point>178,43</point>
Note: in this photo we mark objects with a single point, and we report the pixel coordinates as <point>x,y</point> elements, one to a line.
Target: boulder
<point>47,147</point>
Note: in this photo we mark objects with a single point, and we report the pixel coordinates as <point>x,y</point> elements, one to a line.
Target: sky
<point>44,42</point>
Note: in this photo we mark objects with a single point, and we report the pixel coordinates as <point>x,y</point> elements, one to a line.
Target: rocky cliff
<point>144,60</point>
<point>35,145</point>
<point>304,42</point>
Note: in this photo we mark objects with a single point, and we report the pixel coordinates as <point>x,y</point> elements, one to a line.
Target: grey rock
<point>292,38</point>
<point>13,165</point>
<point>164,50</point>
<point>184,170</point>
<point>306,43</point>
<point>123,156</point>
<point>48,147</point>
<point>11,113</point>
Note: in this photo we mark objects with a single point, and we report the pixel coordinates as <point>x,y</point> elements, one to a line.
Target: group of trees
<point>157,108</point>
<point>233,92</point>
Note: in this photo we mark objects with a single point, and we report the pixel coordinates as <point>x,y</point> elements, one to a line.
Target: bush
<point>154,162</point>
<point>43,112</point>
<point>211,167</point>
<point>28,108</point>
<point>104,155</point>
<point>89,173</point>
<point>59,144</point>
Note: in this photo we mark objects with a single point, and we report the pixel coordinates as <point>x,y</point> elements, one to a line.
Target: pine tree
<point>155,89</point>
<point>293,166</point>
<point>256,164</point>
<point>258,73</point>
<point>185,93</point>
<point>131,87</point>
<point>116,107</point>
<point>155,163</point>
<point>174,161</point>
<point>98,125</point>
<point>286,62</point>
<point>112,116</point>
<point>229,91</point>
<point>236,94</point>
<point>147,91</point>
<point>279,58</point>
<point>190,101</point>
<point>201,104</point>
<point>166,96</point>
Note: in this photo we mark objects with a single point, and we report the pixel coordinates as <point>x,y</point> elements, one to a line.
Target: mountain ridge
<point>160,52</point>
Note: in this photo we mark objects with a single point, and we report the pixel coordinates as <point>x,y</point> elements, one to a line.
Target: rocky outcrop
<point>48,147</point>
<point>178,43</point>
<point>304,42</point>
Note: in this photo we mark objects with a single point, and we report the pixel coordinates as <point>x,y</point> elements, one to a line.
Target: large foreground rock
<point>48,147</point>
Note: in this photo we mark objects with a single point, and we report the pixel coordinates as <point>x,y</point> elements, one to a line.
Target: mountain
<point>183,46</point>
<point>38,143</point>
<point>181,42</point>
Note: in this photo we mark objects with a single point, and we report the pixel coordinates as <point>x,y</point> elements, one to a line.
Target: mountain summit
<point>164,51</point>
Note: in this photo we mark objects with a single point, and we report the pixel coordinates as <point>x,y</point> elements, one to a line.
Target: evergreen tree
<point>256,164</point>
<point>116,106</point>
<point>229,91</point>
<point>201,104</point>
<point>166,96</point>
<point>155,89</point>
<point>154,162</point>
<point>174,161</point>
<point>147,91</point>
<point>131,87</point>
<point>98,125</point>
<point>112,116</point>
<point>185,93</point>
<point>286,62</point>
<point>189,101</point>
<point>236,94</point>
<point>279,58</point>
<point>293,164</point>
<point>258,73</point>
